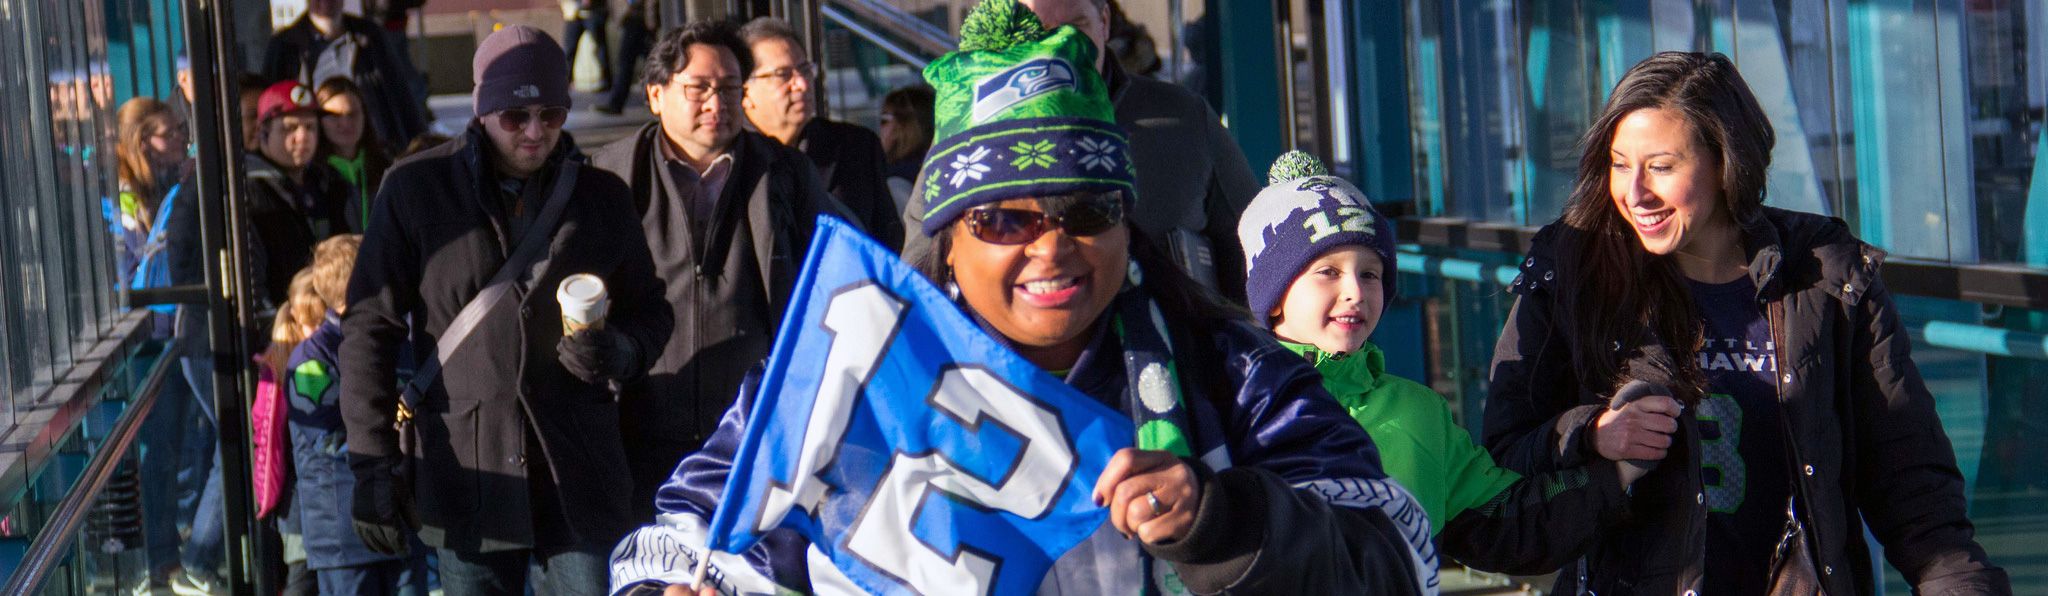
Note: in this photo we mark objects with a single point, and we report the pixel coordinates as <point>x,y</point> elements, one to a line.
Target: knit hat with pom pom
<point>1305,212</point>
<point>1020,112</point>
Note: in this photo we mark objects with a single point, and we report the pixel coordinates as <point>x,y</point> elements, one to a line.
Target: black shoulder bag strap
<point>532,248</point>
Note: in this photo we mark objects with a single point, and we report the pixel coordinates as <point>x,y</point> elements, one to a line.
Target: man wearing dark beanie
<point>504,448</point>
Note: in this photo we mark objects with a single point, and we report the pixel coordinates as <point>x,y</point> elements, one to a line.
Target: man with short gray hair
<point>728,217</point>
<point>780,103</point>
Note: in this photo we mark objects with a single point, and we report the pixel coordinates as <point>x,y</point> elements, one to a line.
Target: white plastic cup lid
<point>581,288</point>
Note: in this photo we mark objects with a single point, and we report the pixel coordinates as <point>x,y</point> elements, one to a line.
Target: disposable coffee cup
<point>584,303</point>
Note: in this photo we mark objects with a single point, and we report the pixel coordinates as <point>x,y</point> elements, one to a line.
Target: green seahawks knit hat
<point>1020,112</point>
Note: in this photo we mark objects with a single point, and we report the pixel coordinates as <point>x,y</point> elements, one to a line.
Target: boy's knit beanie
<point>1302,213</point>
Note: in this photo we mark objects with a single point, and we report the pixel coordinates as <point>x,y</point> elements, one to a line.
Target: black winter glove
<point>383,515</point>
<point>600,357</point>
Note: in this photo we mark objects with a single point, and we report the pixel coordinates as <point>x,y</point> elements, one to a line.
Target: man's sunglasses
<point>1086,217</point>
<point>515,120</point>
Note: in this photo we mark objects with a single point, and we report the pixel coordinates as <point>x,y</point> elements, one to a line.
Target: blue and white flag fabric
<point>916,452</point>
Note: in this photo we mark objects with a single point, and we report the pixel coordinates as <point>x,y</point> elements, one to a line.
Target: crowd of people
<point>437,418</point>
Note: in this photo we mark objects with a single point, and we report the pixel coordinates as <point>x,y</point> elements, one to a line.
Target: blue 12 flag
<point>918,453</point>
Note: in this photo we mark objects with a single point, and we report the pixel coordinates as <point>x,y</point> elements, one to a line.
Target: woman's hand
<point>1150,494</point>
<point>682,590</point>
<point>1641,429</point>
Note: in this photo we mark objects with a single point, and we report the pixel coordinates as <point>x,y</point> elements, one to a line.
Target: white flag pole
<point>703,566</point>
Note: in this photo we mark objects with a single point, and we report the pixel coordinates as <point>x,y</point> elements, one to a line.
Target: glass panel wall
<point>1917,121</point>
<point>61,217</point>
<point>65,233</point>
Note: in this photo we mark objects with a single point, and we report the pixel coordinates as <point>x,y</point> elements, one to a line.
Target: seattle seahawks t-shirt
<point>1742,442</point>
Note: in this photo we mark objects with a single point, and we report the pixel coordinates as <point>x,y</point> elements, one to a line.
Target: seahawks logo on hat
<point>1018,83</point>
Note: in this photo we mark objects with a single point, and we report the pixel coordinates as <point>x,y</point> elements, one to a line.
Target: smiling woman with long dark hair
<point>1784,412</point>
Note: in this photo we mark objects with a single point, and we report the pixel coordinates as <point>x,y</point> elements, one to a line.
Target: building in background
<point>1920,124</point>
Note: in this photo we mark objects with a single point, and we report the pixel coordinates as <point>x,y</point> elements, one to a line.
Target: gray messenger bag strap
<point>533,246</point>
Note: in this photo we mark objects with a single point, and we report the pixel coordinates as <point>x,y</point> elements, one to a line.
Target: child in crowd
<point>295,321</point>
<point>319,442</point>
<point>1320,273</point>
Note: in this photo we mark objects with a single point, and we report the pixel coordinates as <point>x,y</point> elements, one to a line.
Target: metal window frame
<point>210,41</point>
<point>1991,284</point>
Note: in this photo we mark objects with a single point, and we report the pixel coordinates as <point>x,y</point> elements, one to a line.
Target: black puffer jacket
<point>1867,446</point>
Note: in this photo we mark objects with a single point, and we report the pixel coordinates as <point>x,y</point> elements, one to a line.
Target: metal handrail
<point>195,294</point>
<point>1991,284</point>
<point>52,543</point>
<point>928,40</point>
<point>834,14</point>
<point>1967,337</point>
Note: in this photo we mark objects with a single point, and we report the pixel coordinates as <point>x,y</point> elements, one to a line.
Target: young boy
<point>325,484</point>
<point>1320,271</point>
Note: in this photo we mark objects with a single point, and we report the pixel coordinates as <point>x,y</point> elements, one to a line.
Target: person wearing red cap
<point>294,202</point>
<point>325,43</point>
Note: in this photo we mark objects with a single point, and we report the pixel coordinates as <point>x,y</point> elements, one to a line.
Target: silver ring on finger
<point>1153,500</point>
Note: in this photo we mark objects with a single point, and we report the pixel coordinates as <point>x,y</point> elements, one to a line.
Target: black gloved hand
<point>600,356</point>
<point>382,514</point>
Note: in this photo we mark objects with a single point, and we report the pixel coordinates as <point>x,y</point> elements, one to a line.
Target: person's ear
<point>654,98</point>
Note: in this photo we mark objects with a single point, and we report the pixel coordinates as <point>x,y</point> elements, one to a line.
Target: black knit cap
<point>519,66</point>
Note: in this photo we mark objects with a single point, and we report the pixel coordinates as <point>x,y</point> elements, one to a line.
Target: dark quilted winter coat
<point>1867,448</point>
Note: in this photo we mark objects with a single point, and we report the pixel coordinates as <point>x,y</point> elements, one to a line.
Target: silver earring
<point>1134,274</point>
<point>953,291</point>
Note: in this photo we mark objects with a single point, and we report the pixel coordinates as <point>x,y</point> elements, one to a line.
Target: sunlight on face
<point>343,122</point>
<point>1335,302</point>
<point>700,127</point>
<point>1664,184</point>
<point>1043,294</point>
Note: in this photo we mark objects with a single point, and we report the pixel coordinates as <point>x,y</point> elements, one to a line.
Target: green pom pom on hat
<point>1303,213</point>
<point>1295,165</point>
<point>1020,111</point>
<point>998,26</point>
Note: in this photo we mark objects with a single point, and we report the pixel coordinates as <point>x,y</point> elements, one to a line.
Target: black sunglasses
<point>1085,217</point>
<point>515,120</point>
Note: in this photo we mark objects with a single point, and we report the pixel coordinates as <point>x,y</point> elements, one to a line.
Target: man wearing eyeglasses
<point>728,216</point>
<point>515,448</point>
<point>780,104</point>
